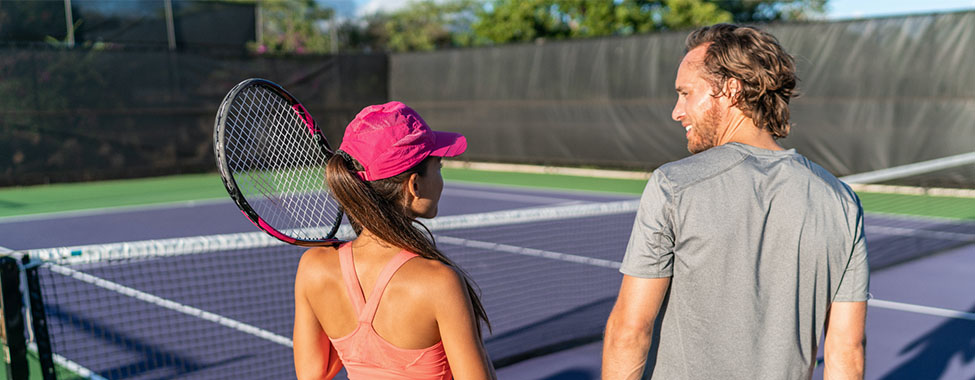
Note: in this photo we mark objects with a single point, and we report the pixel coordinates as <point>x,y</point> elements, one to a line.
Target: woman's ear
<point>413,187</point>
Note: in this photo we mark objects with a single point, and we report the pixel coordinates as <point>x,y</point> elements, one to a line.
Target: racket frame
<point>226,174</point>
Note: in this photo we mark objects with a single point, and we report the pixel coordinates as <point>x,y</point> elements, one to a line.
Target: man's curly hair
<point>766,72</point>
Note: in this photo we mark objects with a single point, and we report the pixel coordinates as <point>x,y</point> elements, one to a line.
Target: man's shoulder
<point>698,167</point>
<point>828,180</point>
<point>819,181</point>
<point>713,162</point>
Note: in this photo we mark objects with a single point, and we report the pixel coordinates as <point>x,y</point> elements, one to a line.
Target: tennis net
<point>904,223</point>
<point>215,307</point>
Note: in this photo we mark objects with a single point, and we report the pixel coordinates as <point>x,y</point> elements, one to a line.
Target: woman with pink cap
<point>389,304</point>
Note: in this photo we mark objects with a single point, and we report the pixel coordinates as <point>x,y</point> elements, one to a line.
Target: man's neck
<point>743,130</point>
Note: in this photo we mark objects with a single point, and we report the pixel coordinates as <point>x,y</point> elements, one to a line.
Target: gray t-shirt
<point>758,244</point>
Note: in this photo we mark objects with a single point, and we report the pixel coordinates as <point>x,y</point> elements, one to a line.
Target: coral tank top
<point>365,354</point>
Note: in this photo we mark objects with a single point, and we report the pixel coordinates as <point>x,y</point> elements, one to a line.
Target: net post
<point>11,302</point>
<point>45,354</point>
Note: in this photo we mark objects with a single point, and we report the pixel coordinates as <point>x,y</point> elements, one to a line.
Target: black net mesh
<point>221,307</point>
<point>223,315</point>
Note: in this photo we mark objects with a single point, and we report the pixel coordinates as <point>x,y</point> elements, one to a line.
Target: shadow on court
<point>146,357</point>
<point>551,335</point>
<point>573,374</point>
<point>933,352</point>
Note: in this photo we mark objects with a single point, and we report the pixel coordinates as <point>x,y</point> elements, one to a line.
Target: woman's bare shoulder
<point>431,275</point>
<point>437,287</point>
<point>319,263</point>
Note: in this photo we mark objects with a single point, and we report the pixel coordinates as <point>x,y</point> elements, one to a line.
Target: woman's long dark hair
<point>379,206</point>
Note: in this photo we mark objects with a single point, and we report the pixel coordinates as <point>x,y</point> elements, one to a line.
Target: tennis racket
<point>272,156</point>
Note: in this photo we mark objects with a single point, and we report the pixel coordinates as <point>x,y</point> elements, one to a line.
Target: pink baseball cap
<point>387,139</point>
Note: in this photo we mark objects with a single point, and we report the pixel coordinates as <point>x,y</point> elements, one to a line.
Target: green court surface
<point>42,199</point>
<point>546,181</point>
<point>34,367</point>
<point>921,205</point>
<point>90,195</point>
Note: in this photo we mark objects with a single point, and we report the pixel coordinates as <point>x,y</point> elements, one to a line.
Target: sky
<point>837,9</point>
<point>846,9</point>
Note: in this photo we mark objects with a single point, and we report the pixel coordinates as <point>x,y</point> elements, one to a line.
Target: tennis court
<point>196,293</point>
<point>161,278</point>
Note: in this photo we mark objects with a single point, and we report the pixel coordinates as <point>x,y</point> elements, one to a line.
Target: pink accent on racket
<point>303,113</point>
<point>275,232</point>
<point>249,218</point>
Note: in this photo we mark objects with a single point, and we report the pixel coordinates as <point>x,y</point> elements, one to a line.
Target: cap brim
<point>448,144</point>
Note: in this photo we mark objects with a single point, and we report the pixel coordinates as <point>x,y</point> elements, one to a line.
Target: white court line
<point>174,306</point>
<point>493,195</point>
<point>538,169</point>
<point>202,244</point>
<point>449,190</point>
<point>78,369</point>
<point>529,252</point>
<point>539,214</point>
<point>61,360</point>
<point>921,233</point>
<point>923,218</point>
<point>928,310</point>
<point>113,210</point>
<point>919,309</point>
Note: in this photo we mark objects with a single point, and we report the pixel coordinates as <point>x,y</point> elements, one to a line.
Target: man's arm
<point>630,327</point>
<point>845,341</point>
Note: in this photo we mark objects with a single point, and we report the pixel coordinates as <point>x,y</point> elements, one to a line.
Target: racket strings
<point>278,166</point>
<point>321,160</point>
<point>250,161</point>
<point>247,161</point>
<point>283,120</point>
<point>295,140</point>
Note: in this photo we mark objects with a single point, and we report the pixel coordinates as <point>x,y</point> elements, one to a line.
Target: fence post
<point>42,338</point>
<point>11,302</point>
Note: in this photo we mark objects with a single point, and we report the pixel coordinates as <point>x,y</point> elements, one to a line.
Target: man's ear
<point>732,88</point>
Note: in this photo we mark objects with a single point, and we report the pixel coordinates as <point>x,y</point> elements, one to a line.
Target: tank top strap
<point>351,279</point>
<point>377,292</point>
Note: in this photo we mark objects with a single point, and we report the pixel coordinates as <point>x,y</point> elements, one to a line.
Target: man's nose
<point>678,112</point>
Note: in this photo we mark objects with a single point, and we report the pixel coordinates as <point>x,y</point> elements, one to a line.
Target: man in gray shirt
<point>748,252</point>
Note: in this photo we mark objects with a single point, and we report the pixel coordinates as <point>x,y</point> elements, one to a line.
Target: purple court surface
<point>921,323</point>
<point>222,216</point>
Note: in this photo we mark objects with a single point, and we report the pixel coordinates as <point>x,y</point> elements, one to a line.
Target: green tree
<point>422,25</point>
<point>520,20</point>
<point>774,10</point>
<point>502,21</point>
<point>304,26</point>
<point>293,27</point>
<point>515,20</point>
<point>691,13</point>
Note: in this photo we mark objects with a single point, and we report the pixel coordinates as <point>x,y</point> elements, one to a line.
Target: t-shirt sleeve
<point>855,284</point>
<point>650,251</point>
